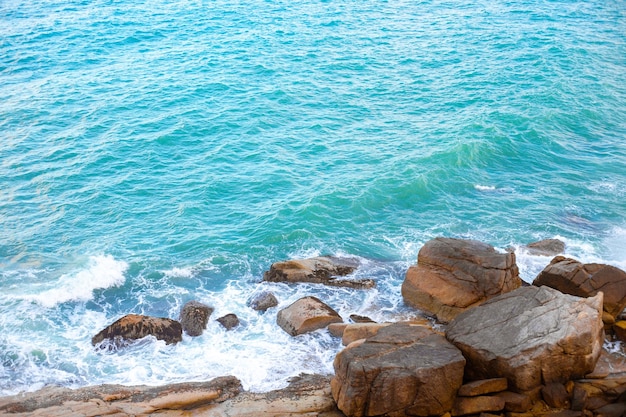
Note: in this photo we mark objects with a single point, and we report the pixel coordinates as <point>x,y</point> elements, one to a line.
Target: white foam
<point>179,272</point>
<point>102,271</point>
<point>484,187</point>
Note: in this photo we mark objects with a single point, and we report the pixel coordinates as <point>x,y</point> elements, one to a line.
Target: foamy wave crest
<point>484,187</point>
<point>102,271</point>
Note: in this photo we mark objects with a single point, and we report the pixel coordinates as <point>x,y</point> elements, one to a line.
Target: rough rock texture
<point>586,280</point>
<point>546,247</point>
<point>320,270</point>
<point>402,369</point>
<point>306,395</point>
<point>475,405</point>
<point>194,317</point>
<point>306,315</point>
<point>531,336</point>
<point>356,331</point>
<point>229,321</point>
<point>482,387</point>
<point>117,400</point>
<point>619,328</point>
<point>135,326</point>
<point>262,301</point>
<point>453,275</point>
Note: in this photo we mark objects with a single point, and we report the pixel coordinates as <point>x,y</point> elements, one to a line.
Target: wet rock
<point>586,280</point>
<point>531,336</point>
<point>194,317</point>
<point>229,321</point>
<point>546,247</point>
<point>402,369</point>
<point>306,315</point>
<point>321,270</point>
<point>262,301</point>
<point>360,319</point>
<point>453,275</point>
<point>134,326</point>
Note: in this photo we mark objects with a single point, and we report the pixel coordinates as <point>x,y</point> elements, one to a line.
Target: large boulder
<point>402,370</point>
<point>453,275</point>
<point>135,326</point>
<point>531,336</point>
<point>586,280</point>
<point>320,270</point>
<point>194,317</point>
<point>306,315</point>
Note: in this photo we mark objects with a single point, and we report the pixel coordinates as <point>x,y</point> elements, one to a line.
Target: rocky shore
<point>489,344</point>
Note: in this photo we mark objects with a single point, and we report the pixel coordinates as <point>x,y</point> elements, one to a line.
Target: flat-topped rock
<point>453,275</point>
<point>404,368</point>
<point>325,270</point>
<point>531,336</point>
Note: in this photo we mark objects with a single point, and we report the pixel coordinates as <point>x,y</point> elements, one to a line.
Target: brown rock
<point>475,405</point>
<point>595,393</point>
<point>555,395</point>
<point>194,317</point>
<point>360,319</point>
<point>515,402</point>
<point>320,270</point>
<point>229,321</point>
<point>482,387</point>
<point>611,410</point>
<point>134,326</point>
<point>546,247</point>
<point>531,336</point>
<point>337,329</point>
<point>586,280</point>
<point>306,315</point>
<point>402,369</point>
<point>453,275</point>
<point>358,331</point>
<point>619,329</point>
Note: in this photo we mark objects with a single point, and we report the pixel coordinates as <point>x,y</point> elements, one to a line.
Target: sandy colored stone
<point>482,387</point>
<point>475,405</point>
<point>356,331</point>
<point>515,402</point>
<point>453,275</point>
<point>619,328</point>
<point>306,315</point>
<point>337,329</point>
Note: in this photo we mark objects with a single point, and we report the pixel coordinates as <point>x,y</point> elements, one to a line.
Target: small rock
<point>135,326</point>
<point>262,301</point>
<point>555,395</point>
<point>229,321</point>
<point>546,247</point>
<point>515,402</point>
<point>306,315</point>
<point>337,329</point>
<point>619,328</point>
<point>360,319</point>
<point>194,317</point>
<point>475,405</point>
<point>482,387</point>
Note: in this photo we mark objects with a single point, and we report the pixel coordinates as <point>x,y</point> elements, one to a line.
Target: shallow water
<point>158,152</point>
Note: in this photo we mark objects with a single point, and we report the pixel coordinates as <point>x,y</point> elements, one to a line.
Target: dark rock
<point>262,301</point>
<point>531,336</point>
<point>403,369</point>
<point>306,315</point>
<point>360,319</point>
<point>515,402</point>
<point>134,326</point>
<point>586,280</point>
<point>555,395</point>
<point>194,317</point>
<point>320,270</point>
<point>229,321</point>
<point>453,275</point>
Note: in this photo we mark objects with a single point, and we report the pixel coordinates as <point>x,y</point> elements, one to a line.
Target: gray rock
<point>194,317</point>
<point>229,321</point>
<point>531,336</point>
<point>546,247</point>
<point>263,300</point>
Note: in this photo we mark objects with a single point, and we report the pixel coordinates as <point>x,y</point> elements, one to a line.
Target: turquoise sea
<point>153,152</point>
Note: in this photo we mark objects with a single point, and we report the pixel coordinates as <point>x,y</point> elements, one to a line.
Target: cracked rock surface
<point>531,336</point>
<point>453,275</point>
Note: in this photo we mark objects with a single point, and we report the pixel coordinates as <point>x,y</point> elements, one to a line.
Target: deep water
<point>155,152</point>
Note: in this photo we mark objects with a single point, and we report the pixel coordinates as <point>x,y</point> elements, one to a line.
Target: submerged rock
<point>403,369</point>
<point>531,336</point>
<point>135,326</point>
<point>194,317</point>
<point>320,270</point>
<point>453,275</point>
<point>306,315</point>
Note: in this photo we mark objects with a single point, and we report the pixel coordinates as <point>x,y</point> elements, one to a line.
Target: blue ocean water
<point>155,152</point>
